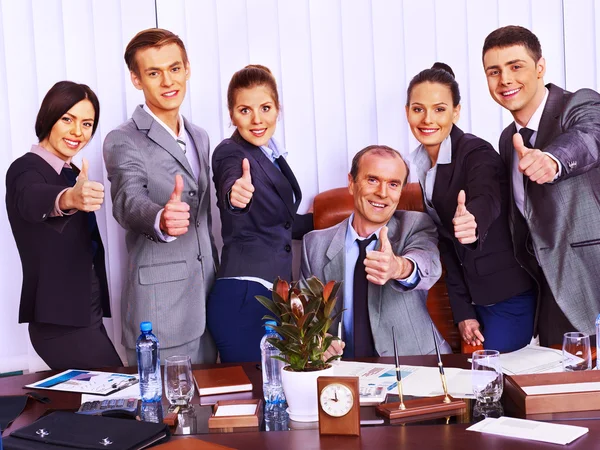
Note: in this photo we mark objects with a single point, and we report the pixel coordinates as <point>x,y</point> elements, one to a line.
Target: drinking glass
<point>578,345</point>
<point>486,376</point>
<point>179,381</point>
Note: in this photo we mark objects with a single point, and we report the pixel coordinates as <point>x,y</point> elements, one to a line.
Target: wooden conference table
<point>417,436</point>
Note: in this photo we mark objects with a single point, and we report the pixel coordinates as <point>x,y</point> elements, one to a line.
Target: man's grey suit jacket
<point>411,234</point>
<point>165,283</point>
<point>563,217</point>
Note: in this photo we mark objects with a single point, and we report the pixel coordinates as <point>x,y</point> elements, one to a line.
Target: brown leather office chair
<point>333,206</point>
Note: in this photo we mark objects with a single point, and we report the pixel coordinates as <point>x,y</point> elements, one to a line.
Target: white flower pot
<point>300,390</point>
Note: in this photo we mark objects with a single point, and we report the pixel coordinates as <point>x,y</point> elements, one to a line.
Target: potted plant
<point>303,316</point>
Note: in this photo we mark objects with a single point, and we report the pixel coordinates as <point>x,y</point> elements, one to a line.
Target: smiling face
<point>254,114</point>
<point>71,132</point>
<point>515,80</point>
<point>431,114</point>
<point>162,77</point>
<point>376,190</point>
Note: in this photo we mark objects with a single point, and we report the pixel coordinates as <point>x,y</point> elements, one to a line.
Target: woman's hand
<point>243,189</point>
<point>85,196</point>
<point>469,331</point>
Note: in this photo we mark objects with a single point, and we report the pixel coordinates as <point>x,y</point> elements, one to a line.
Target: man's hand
<point>243,189</point>
<point>174,219</point>
<point>85,196</point>
<point>469,331</point>
<point>382,265</point>
<point>336,348</point>
<point>534,163</point>
<point>465,226</point>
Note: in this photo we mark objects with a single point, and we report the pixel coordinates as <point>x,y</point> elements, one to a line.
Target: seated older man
<point>388,260</point>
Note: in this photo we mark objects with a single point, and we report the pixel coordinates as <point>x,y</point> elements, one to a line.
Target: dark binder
<point>66,430</point>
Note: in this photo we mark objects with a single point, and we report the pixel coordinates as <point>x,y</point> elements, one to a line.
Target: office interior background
<point>342,68</point>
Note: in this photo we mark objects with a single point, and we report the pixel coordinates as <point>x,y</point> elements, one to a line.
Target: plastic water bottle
<point>271,368</point>
<point>598,342</point>
<point>148,364</point>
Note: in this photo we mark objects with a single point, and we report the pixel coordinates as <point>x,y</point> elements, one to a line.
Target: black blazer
<point>56,252</point>
<point>257,241</point>
<point>486,271</point>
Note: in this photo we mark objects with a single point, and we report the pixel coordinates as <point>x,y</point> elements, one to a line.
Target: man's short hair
<point>378,150</point>
<point>513,35</point>
<point>152,37</point>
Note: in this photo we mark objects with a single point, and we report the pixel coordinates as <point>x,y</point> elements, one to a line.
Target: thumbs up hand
<point>85,196</point>
<point>382,265</point>
<point>243,189</point>
<point>537,165</point>
<point>465,226</point>
<point>175,218</point>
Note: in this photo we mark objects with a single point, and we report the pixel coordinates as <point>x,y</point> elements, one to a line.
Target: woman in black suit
<point>51,213</point>
<point>258,198</point>
<point>466,192</point>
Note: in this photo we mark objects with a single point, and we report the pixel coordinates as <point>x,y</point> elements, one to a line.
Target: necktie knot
<point>363,244</point>
<point>526,133</point>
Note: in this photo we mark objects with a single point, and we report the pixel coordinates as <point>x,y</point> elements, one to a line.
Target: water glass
<point>486,376</point>
<point>577,353</point>
<point>179,381</point>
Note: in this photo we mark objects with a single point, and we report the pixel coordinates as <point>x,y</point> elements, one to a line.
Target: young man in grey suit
<point>388,260</point>
<point>157,164</point>
<point>552,151</point>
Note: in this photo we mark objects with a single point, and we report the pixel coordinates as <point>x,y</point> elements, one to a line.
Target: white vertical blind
<point>342,68</point>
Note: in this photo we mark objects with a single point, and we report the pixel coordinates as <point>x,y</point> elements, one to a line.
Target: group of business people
<point>516,229</point>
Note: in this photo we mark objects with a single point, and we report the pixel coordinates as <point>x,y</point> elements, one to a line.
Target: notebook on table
<point>221,381</point>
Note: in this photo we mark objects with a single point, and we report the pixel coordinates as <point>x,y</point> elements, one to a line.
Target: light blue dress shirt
<point>351,249</point>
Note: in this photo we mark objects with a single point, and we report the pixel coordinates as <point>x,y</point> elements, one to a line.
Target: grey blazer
<point>411,234</point>
<point>563,217</point>
<point>165,283</point>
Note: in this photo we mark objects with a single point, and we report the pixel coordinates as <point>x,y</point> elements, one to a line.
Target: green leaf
<point>268,304</point>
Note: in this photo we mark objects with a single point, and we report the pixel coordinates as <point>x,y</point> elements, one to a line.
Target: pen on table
<point>398,372</point>
<point>440,366</point>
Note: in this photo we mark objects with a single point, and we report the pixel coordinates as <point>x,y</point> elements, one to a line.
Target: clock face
<point>336,399</point>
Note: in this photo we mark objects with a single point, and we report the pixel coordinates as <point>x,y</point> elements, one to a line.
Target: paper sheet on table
<point>533,359</point>
<point>236,410</point>
<point>561,388</point>
<point>129,392</point>
<point>530,429</point>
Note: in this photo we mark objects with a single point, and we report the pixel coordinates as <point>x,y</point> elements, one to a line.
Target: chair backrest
<point>333,206</point>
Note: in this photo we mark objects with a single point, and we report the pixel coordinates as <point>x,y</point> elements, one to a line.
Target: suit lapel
<point>202,156</point>
<point>334,268</point>
<point>550,122</point>
<point>161,137</point>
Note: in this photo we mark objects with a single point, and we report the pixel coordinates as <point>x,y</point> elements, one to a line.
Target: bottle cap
<point>269,324</point>
<point>146,326</point>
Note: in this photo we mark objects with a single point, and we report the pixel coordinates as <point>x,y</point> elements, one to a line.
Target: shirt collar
<point>55,162</point>
<point>181,125</point>
<point>534,122</point>
<point>420,158</point>
<point>445,153</point>
<point>274,149</point>
<point>352,235</point>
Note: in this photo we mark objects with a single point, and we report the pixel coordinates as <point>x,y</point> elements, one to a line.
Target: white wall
<point>342,67</point>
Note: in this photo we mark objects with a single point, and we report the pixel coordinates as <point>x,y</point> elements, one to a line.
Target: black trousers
<point>66,347</point>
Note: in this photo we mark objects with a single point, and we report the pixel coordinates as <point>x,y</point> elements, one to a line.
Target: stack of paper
<point>534,359</point>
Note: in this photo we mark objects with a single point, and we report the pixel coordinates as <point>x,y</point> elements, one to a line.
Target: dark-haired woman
<point>51,205</point>
<point>465,191</point>
<point>258,198</point>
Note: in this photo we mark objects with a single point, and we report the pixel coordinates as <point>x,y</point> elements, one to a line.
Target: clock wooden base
<point>340,414</point>
<point>426,406</point>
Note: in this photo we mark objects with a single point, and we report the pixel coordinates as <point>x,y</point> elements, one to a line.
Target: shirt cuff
<point>57,212</point>
<point>413,279</point>
<point>557,163</point>
<point>162,236</point>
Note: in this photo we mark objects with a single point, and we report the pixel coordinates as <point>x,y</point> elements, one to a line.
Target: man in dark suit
<point>552,151</point>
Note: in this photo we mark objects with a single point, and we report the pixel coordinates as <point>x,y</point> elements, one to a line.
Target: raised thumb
<point>83,173</point>
<point>383,238</point>
<point>246,170</point>
<point>519,145</point>
<point>178,190</point>
<point>460,203</point>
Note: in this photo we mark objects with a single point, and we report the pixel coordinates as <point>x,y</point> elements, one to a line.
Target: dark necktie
<point>363,336</point>
<point>69,175</point>
<point>526,133</point>
<point>287,172</point>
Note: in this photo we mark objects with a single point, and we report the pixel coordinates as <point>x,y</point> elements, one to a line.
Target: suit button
<point>287,225</point>
<point>199,257</point>
<point>198,224</point>
<point>288,248</point>
<point>192,193</point>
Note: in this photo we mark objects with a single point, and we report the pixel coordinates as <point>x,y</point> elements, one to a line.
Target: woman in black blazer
<point>466,192</point>
<point>51,213</point>
<point>258,198</point>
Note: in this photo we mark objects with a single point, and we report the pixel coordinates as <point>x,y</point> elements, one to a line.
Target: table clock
<point>339,406</point>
